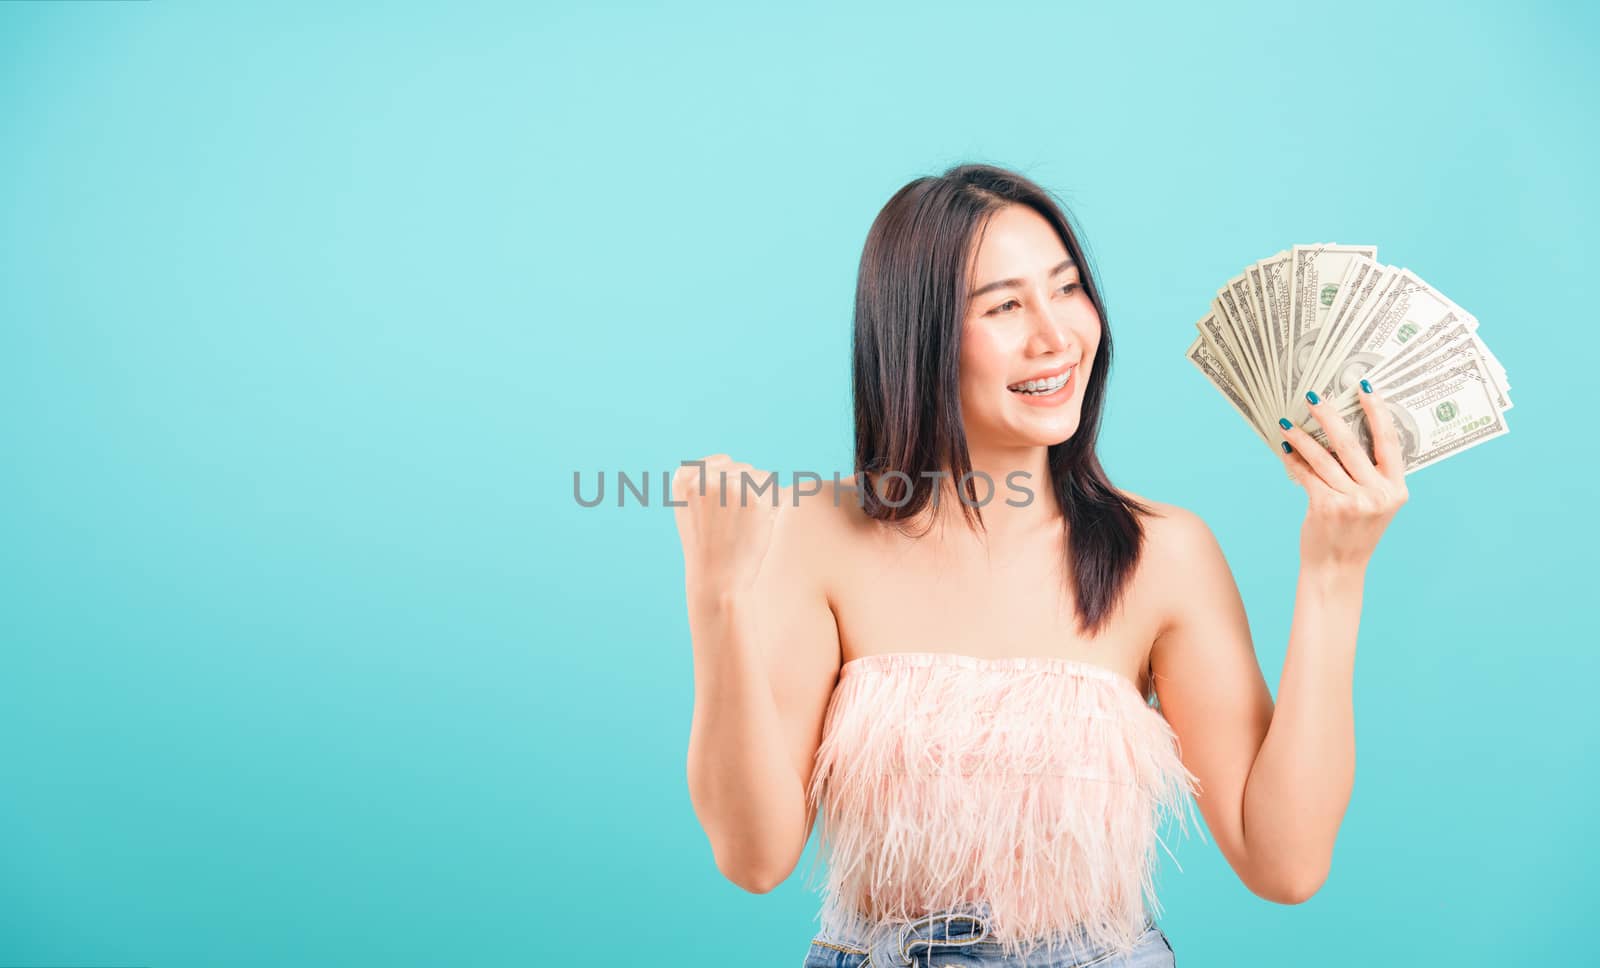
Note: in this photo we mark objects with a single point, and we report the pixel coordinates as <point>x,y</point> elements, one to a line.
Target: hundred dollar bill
<point>1415,344</point>
<point>1451,348</point>
<point>1408,307</point>
<point>1273,333</point>
<point>1254,290</point>
<point>1237,301</point>
<point>1233,367</point>
<point>1363,278</point>
<point>1322,317</point>
<point>1237,332</point>
<point>1430,341</point>
<point>1344,367</point>
<point>1450,411</point>
<point>1318,273</point>
<point>1200,355</point>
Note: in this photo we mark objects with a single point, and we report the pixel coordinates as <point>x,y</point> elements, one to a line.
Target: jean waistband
<point>911,943</point>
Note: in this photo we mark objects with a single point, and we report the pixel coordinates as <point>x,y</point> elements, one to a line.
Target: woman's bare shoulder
<point>828,512</point>
<point>1172,533</point>
<point>833,536</point>
<point>1161,507</point>
<point>1179,555</point>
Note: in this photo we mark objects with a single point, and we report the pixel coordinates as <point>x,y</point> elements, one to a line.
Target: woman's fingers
<point>1316,458</point>
<point>1357,467</point>
<point>1385,436</point>
<point>1301,473</point>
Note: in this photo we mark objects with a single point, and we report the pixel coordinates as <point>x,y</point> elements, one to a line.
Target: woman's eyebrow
<point>1061,267</point>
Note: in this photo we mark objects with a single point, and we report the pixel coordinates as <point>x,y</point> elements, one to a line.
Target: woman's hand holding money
<point>1352,497</point>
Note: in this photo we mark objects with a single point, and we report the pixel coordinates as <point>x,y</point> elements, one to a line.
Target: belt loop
<point>902,954</point>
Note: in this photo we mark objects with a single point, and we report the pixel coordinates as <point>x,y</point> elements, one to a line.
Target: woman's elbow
<point>1296,888</point>
<point>751,877</point>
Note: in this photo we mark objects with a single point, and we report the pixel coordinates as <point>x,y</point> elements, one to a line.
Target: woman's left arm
<point>1276,780</point>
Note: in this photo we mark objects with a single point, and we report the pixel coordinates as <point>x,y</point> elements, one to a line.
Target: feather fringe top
<point>1034,784</point>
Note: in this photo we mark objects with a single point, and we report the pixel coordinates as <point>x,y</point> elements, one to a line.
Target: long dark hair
<point>910,292</point>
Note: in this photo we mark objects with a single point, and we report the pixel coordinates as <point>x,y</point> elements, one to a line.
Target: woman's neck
<point>1012,489</point>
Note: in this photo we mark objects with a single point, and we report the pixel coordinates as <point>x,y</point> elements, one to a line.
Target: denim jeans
<point>961,941</point>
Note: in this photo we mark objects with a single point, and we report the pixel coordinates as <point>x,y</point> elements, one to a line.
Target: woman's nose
<point>1049,331</point>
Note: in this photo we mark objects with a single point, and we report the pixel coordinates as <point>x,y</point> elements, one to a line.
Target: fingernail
<point>1285,445</point>
<point>1311,395</point>
<point>1365,386</point>
<point>1284,423</point>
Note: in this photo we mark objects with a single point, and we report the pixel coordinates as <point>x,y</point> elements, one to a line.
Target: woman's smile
<point>1048,391</point>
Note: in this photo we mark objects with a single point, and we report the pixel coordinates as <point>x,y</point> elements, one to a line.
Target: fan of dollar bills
<point>1322,318</point>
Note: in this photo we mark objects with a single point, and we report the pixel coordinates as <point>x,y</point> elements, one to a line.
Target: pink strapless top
<point>1035,784</point>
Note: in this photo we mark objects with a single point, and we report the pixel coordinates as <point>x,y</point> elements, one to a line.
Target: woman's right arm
<point>766,657</point>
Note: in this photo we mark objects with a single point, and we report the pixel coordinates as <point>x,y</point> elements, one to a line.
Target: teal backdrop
<point>310,312</point>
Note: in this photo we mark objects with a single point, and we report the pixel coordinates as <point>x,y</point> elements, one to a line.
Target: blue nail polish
<point>1311,396</point>
<point>1284,423</point>
<point>1366,386</point>
<point>1286,447</point>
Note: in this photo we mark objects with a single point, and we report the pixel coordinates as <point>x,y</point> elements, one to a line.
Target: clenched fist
<point>725,524</point>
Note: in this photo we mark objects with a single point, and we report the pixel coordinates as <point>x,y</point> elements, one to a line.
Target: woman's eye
<point>1066,288</point>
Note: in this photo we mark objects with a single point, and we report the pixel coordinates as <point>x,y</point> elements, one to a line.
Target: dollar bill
<point>1238,334</point>
<point>1319,274</point>
<point>1221,347</point>
<point>1273,333</point>
<point>1450,411</point>
<point>1449,349</point>
<point>1335,338</point>
<point>1201,356</point>
<point>1324,316</point>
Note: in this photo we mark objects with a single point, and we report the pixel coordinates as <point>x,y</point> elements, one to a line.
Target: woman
<point>959,684</point>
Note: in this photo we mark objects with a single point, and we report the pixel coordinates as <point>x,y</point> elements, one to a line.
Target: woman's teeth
<point>1043,386</point>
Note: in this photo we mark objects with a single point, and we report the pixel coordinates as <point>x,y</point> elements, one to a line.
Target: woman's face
<point>1029,318</point>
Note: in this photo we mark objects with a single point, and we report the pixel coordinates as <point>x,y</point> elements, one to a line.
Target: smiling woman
<point>990,706</point>
<point>935,384</point>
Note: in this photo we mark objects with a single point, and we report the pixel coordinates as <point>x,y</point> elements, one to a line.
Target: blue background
<point>308,314</point>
